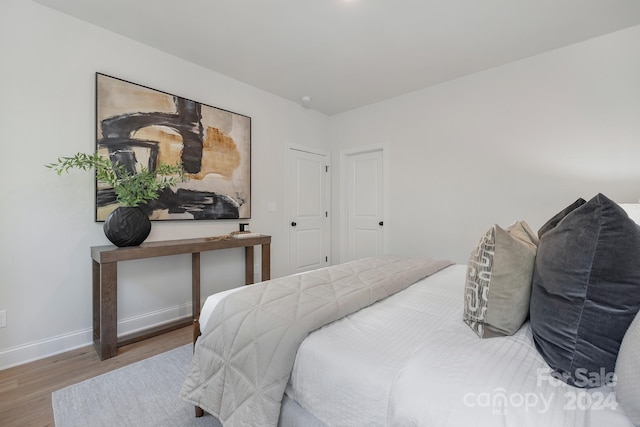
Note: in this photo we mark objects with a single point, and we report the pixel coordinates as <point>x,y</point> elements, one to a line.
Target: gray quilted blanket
<point>242,361</point>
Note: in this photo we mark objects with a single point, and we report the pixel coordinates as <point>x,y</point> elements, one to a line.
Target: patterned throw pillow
<point>498,283</point>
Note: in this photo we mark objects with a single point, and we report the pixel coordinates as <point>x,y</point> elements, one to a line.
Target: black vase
<point>127,226</point>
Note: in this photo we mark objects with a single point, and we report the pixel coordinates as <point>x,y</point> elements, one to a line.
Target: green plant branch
<point>131,189</point>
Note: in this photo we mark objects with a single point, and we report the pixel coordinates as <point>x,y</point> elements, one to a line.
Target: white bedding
<point>409,360</point>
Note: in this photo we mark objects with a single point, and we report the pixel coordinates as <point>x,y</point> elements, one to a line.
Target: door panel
<point>308,211</point>
<point>365,205</point>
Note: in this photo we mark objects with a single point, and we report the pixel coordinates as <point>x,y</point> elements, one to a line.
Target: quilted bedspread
<point>242,361</point>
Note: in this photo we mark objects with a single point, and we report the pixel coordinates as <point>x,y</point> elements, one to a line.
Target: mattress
<point>409,360</point>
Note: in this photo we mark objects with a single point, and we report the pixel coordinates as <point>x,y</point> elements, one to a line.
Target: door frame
<point>327,198</point>
<point>343,217</point>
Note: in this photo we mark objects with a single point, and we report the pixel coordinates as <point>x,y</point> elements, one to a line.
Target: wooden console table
<point>105,282</point>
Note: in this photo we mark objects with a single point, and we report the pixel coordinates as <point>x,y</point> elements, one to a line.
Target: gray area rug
<point>141,394</point>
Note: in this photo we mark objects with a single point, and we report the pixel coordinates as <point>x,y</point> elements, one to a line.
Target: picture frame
<point>141,127</point>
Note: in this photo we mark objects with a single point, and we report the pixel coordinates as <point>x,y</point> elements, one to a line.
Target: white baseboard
<point>155,318</point>
<point>40,349</point>
<point>36,350</point>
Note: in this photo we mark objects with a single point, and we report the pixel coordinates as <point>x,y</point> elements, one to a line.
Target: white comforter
<point>242,361</point>
<point>409,360</point>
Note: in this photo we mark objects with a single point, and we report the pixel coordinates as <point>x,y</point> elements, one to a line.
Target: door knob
<point>293,223</point>
<point>381,223</point>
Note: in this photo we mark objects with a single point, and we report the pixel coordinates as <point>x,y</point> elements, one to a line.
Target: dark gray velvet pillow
<point>559,216</point>
<point>586,291</point>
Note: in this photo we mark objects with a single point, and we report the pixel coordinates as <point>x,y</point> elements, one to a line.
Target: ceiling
<point>345,54</point>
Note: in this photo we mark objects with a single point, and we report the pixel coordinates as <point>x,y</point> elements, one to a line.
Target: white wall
<point>47,110</point>
<point>520,141</point>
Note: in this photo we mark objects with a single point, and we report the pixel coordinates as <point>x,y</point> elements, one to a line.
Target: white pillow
<point>628,372</point>
<point>633,210</point>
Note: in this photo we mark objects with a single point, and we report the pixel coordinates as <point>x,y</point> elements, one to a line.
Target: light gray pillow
<point>628,372</point>
<point>498,283</point>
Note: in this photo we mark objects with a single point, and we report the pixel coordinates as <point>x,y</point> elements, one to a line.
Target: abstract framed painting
<point>140,127</point>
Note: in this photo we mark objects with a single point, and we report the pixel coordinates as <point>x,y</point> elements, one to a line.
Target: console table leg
<point>195,285</point>
<point>266,262</point>
<point>107,345</point>
<point>95,295</point>
<point>249,275</point>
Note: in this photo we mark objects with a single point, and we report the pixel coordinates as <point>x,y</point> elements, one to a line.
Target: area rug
<point>141,394</point>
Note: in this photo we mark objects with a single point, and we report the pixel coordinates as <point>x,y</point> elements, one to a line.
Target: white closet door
<point>308,212</point>
<point>365,204</point>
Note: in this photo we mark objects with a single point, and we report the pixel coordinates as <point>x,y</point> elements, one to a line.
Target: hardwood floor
<point>25,391</point>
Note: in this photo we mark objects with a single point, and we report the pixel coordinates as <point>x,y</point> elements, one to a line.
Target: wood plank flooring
<point>25,391</point>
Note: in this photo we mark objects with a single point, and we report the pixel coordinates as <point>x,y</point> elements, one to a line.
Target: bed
<point>415,357</point>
